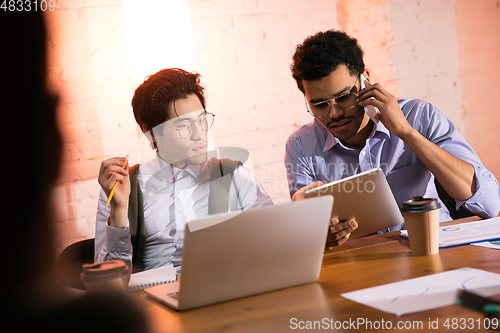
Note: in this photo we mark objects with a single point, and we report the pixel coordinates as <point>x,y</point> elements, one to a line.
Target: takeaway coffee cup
<point>422,222</point>
<point>105,276</point>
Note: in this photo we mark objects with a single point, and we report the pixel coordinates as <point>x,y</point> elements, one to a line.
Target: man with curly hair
<point>409,139</point>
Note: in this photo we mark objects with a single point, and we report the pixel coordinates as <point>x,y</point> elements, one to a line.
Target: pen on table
<point>492,310</point>
<point>488,306</point>
<point>114,186</point>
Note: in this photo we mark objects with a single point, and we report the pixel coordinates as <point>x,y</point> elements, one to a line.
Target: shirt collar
<point>168,171</point>
<point>381,128</point>
<point>331,140</point>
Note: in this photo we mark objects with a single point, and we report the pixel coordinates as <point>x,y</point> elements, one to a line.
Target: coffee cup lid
<point>105,270</point>
<point>419,205</point>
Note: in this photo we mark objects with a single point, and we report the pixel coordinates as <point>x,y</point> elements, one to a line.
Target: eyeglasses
<point>343,101</point>
<point>186,128</point>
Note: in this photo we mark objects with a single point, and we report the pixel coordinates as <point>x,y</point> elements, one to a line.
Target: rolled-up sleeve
<point>110,243</point>
<point>485,202</point>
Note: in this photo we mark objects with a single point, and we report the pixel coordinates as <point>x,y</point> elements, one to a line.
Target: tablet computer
<point>365,197</point>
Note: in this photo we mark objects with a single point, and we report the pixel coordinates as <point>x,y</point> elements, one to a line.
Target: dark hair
<point>153,97</point>
<point>320,54</point>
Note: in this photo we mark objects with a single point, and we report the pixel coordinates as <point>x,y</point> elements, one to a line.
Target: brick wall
<point>425,53</point>
<point>243,50</point>
<point>88,67</point>
<point>478,49</point>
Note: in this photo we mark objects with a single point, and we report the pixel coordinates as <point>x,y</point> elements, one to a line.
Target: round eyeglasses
<point>186,128</point>
<point>343,101</point>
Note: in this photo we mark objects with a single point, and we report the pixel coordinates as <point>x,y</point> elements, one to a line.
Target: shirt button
<point>124,240</point>
<point>363,153</point>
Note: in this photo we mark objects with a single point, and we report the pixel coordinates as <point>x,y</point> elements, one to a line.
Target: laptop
<point>233,255</point>
<point>365,197</point>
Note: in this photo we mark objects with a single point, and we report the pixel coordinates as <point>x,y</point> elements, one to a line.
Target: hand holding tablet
<point>366,198</point>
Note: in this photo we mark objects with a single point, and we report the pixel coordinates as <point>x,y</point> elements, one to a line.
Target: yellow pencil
<point>114,187</point>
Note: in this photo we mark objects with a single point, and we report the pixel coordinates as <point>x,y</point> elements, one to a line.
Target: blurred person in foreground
<point>32,299</point>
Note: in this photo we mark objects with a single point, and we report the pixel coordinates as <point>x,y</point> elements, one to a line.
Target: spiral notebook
<point>152,277</point>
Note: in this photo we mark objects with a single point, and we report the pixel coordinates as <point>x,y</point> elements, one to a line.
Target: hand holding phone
<point>370,110</point>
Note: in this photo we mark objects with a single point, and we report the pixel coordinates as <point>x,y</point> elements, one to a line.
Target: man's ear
<point>150,136</point>
<point>366,74</point>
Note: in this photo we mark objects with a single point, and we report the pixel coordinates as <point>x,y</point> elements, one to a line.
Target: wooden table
<point>360,263</point>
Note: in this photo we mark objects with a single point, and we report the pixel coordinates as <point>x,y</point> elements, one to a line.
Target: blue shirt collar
<point>331,141</point>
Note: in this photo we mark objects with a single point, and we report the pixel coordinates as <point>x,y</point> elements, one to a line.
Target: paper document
<point>427,292</point>
<point>492,244</point>
<point>466,233</point>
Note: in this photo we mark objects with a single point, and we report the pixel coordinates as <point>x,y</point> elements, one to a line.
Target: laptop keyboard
<point>174,295</point>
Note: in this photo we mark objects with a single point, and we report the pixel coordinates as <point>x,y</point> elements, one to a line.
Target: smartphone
<point>370,110</point>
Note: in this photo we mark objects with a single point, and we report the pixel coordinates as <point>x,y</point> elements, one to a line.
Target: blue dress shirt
<point>313,153</point>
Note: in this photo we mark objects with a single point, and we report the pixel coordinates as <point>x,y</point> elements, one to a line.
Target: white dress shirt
<point>172,197</point>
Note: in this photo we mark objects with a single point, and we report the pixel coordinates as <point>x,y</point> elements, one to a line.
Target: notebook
<point>152,277</point>
<point>365,197</point>
<point>229,256</point>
